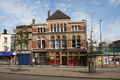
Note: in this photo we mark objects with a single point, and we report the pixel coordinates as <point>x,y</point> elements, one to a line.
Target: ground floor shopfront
<point>7,57</point>
<point>70,58</point>
<point>23,58</point>
<point>108,60</point>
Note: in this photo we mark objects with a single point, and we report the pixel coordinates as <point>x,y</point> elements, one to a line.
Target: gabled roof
<point>58,15</point>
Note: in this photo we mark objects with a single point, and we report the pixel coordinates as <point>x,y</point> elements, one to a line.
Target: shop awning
<point>6,54</point>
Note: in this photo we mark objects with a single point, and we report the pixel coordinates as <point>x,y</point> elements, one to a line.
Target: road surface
<point>5,76</point>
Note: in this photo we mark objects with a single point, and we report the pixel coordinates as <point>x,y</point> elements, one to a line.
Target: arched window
<point>64,27</point>
<point>58,44</point>
<point>78,42</point>
<point>64,42</point>
<point>73,42</point>
<point>39,43</point>
<point>75,28</point>
<point>41,30</point>
<point>52,42</point>
<point>38,30</point>
<point>54,29</point>
<point>72,28</point>
<point>43,44</point>
<point>61,27</point>
<point>78,27</point>
<point>51,26</point>
<point>57,28</point>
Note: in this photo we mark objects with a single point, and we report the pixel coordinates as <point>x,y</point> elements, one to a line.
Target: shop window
<point>70,57</point>
<point>64,53</point>
<point>75,57</point>
<point>57,58</point>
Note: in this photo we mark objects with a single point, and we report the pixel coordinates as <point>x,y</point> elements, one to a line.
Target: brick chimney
<point>33,21</point>
<point>48,13</point>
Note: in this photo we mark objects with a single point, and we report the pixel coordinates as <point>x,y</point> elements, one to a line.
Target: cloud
<point>115,2</point>
<point>18,12</point>
<point>62,6</point>
<point>114,31</point>
<point>96,2</point>
<point>78,15</point>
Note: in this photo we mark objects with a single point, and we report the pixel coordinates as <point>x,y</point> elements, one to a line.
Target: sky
<point>21,12</point>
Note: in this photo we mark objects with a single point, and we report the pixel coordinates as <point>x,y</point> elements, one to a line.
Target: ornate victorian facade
<point>59,41</point>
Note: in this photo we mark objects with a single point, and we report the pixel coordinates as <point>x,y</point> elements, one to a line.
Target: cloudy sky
<point>18,12</point>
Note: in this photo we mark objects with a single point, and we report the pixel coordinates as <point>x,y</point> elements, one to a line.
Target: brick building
<point>59,41</point>
<point>23,44</point>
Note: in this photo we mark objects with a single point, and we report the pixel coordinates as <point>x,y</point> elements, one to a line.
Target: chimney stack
<point>48,13</point>
<point>33,21</point>
<point>5,31</point>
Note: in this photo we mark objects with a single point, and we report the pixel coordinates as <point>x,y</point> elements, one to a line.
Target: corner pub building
<point>59,41</point>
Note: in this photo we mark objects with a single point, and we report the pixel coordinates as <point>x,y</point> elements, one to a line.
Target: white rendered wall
<point>8,44</point>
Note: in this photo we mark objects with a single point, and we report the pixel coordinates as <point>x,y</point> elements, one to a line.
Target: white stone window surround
<point>75,28</point>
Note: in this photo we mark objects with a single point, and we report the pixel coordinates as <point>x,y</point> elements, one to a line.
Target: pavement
<point>62,71</point>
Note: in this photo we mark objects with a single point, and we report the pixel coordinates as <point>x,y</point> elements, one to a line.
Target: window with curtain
<point>39,44</point>
<point>57,44</point>
<point>78,43</point>
<point>52,43</point>
<point>78,27</point>
<point>64,43</point>
<point>65,27</point>
<point>72,28</point>
<point>75,28</point>
<point>43,43</point>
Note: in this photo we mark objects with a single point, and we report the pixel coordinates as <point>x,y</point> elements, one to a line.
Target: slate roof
<point>58,15</point>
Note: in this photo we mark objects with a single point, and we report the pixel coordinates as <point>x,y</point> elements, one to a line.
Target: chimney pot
<point>48,13</point>
<point>33,21</point>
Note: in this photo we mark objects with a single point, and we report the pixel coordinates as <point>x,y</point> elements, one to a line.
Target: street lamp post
<point>100,31</point>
